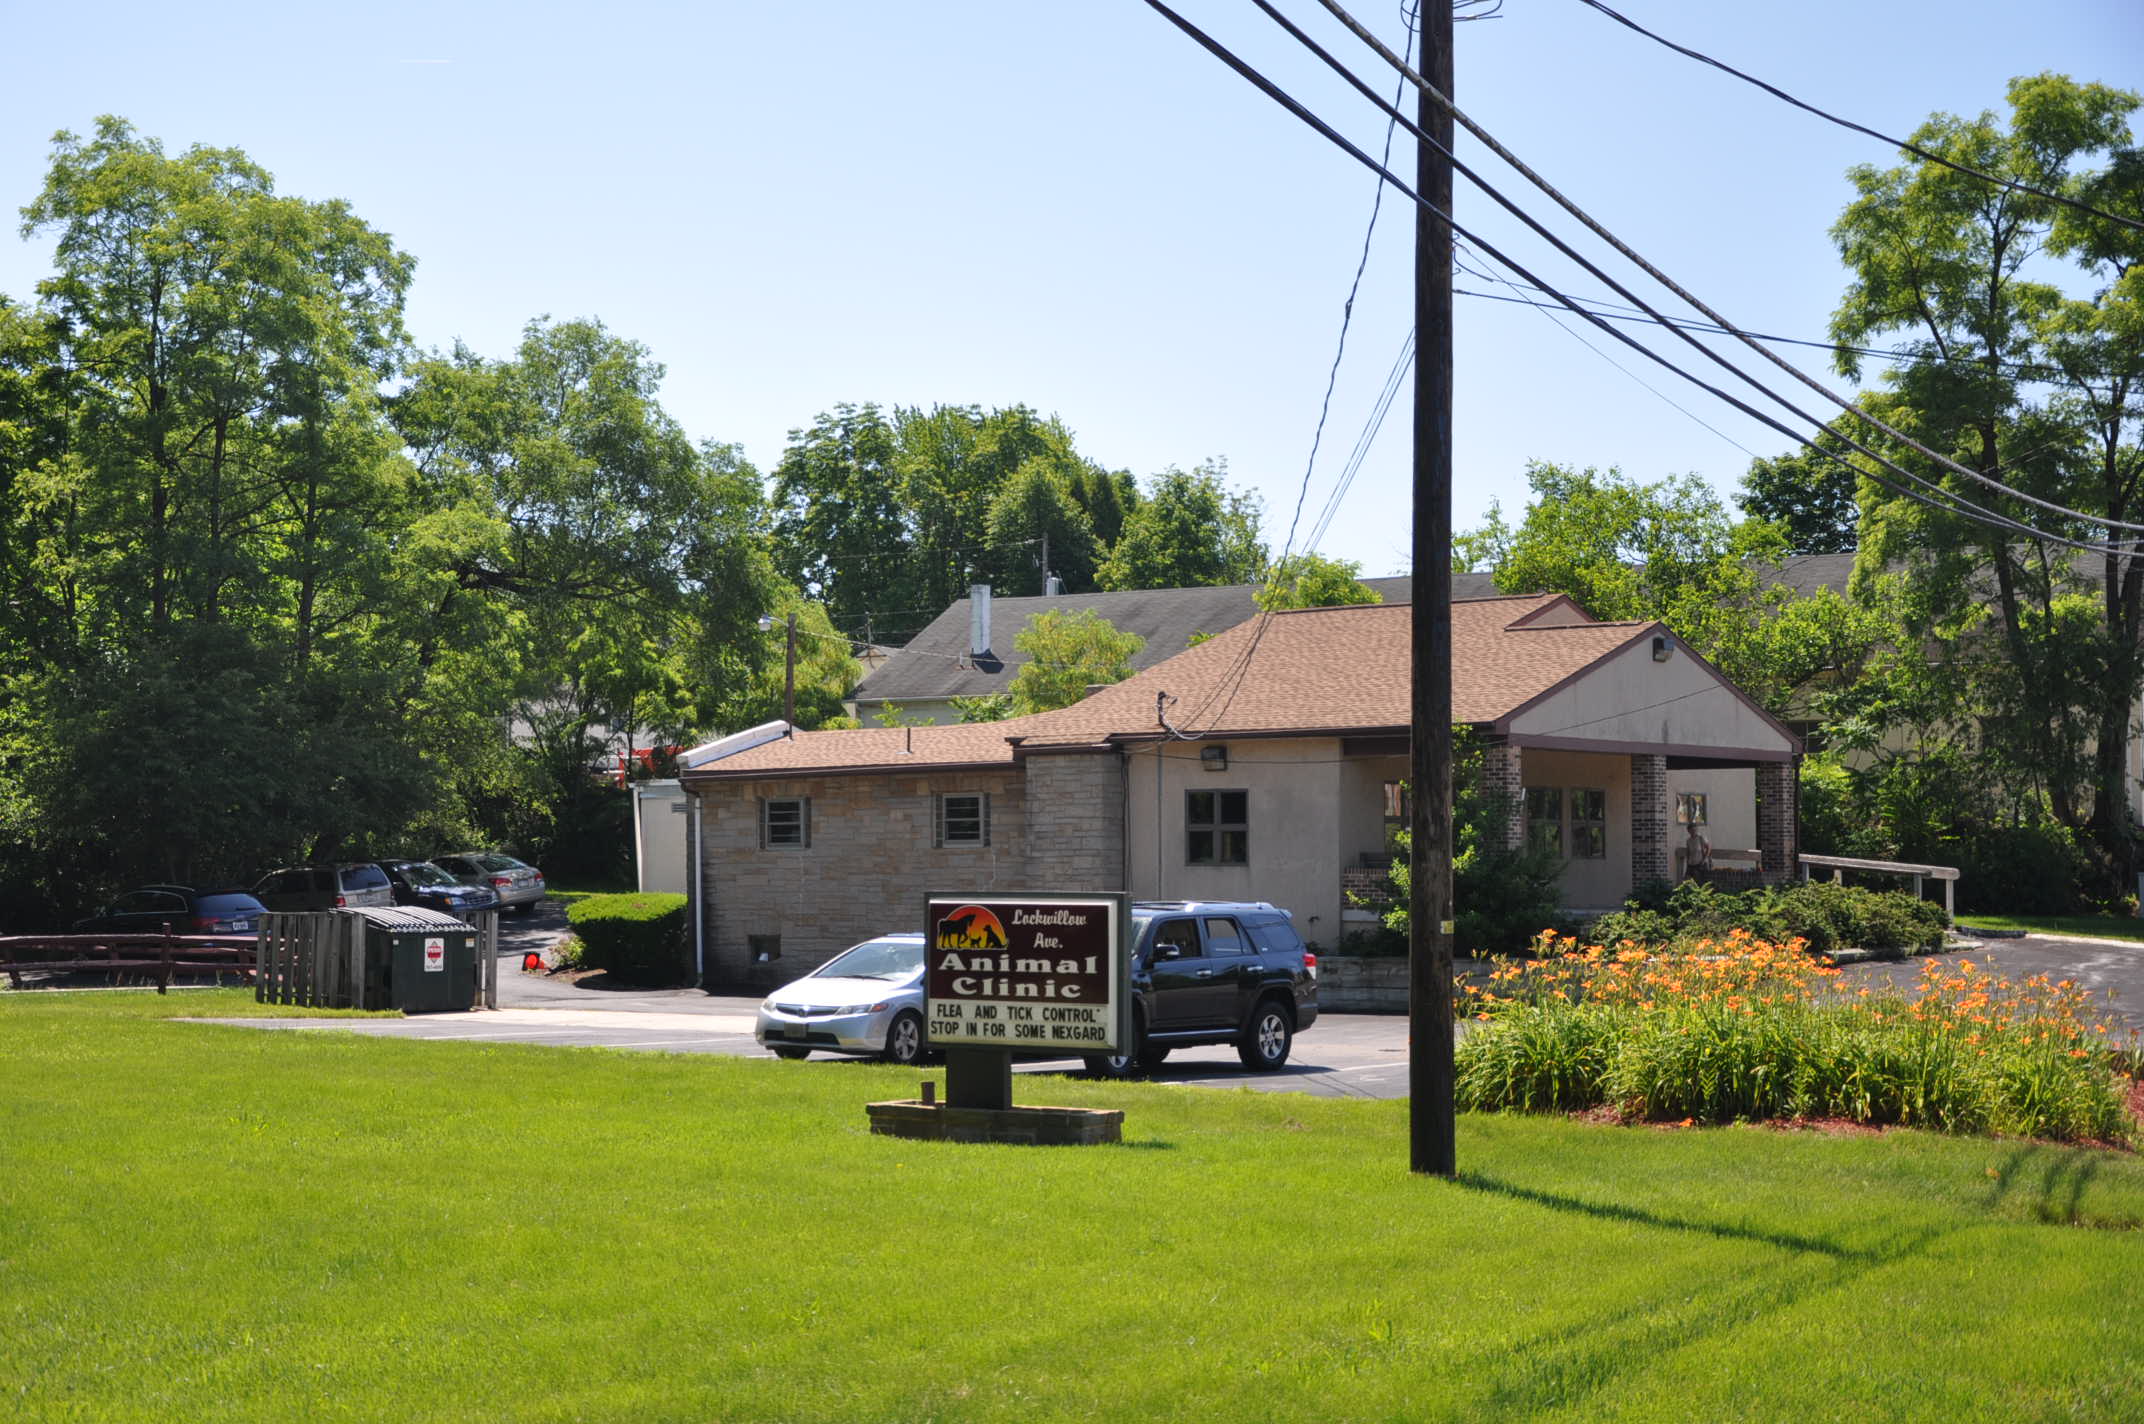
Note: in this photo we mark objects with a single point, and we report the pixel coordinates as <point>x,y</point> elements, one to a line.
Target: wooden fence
<point>1918,874</point>
<point>322,961</point>
<point>158,956</point>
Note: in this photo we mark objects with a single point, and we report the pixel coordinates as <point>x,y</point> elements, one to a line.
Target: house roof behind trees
<point>1307,672</point>
<point>936,663</point>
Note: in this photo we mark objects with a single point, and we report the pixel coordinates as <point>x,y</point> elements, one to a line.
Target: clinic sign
<point>1035,973</point>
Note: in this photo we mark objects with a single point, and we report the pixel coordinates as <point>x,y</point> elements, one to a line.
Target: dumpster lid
<point>406,918</point>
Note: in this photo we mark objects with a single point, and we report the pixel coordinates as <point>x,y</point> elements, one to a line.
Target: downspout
<point>1124,817</point>
<point>699,900</point>
<point>1159,747</point>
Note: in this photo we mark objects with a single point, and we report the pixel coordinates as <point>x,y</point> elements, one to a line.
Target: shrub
<point>1825,917</point>
<point>1743,1028</point>
<point>2021,870</point>
<point>636,938</point>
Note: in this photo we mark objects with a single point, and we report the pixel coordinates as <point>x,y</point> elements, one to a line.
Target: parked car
<point>325,887</point>
<point>419,882</point>
<point>1215,971</point>
<point>185,909</point>
<point>867,1000</point>
<point>518,885</point>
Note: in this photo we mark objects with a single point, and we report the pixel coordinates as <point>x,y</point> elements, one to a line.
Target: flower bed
<point>1741,1029</point>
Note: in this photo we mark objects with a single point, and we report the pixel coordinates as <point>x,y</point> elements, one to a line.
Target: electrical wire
<point>1956,504</point>
<point>1594,226</point>
<point>1902,144</point>
<point>1347,309</point>
<point>1618,311</point>
<point>1548,310</point>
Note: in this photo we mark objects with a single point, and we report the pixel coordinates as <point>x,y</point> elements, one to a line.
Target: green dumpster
<point>416,960</point>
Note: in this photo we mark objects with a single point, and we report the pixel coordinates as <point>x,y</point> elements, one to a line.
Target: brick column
<point>1778,792</point>
<point>1503,778</point>
<point>1649,859</point>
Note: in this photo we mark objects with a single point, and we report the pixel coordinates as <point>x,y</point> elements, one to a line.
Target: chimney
<point>1052,586</point>
<point>979,620</point>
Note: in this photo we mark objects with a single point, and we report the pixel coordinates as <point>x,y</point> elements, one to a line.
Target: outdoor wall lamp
<point>1213,758</point>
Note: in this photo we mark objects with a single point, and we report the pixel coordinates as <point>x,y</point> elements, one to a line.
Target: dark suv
<point>1215,971</point>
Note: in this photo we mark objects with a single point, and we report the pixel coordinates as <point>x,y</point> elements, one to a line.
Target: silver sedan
<point>866,1000</point>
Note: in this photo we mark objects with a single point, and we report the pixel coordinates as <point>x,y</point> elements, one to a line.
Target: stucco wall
<point>1590,884</point>
<point>1730,805</point>
<point>1676,703</point>
<point>866,872</point>
<point>1295,830</point>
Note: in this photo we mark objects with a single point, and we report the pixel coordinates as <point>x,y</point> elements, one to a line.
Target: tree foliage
<point>2024,381</point>
<point>1067,653</point>
<point>1314,581</point>
<point>1189,531</point>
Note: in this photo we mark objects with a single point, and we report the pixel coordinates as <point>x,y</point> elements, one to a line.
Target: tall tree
<point>841,530</point>
<point>1034,511</point>
<point>2026,383</point>
<point>1810,495</point>
<point>1190,530</point>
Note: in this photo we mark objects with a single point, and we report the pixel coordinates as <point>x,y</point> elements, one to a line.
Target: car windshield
<point>875,959</point>
<point>423,872</point>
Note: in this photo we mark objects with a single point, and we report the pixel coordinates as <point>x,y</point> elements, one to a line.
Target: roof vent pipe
<point>1052,586</point>
<point>979,620</point>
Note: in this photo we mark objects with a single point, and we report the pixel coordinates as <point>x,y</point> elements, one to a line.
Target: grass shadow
<point>1640,1216</point>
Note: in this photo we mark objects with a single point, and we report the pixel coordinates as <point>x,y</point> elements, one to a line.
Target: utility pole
<point>1045,561</point>
<point>1429,905</point>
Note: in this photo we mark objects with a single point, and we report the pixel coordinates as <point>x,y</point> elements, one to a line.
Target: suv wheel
<point>1126,1063</point>
<point>1267,1038</point>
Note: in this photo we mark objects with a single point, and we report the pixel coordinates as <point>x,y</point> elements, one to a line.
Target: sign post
<point>1045,976</point>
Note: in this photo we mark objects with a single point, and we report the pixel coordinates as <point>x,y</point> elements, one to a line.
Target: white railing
<point>1948,874</point>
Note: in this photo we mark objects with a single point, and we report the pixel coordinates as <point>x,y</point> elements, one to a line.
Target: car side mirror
<point>1167,951</point>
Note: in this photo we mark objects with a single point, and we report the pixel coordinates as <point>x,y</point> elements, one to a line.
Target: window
<point>1544,817</point>
<point>1277,938</point>
<point>963,820</point>
<point>764,949</point>
<point>1217,827</point>
<point>1689,808</point>
<point>1222,937</point>
<point>1589,824</point>
<point>785,823</point>
<point>1179,935</point>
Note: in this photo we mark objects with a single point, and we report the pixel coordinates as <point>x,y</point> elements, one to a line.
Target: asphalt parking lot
<point>1343,1055</point>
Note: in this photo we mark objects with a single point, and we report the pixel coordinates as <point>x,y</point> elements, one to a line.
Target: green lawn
<point>2090,926</point>
<point>221,1223</point>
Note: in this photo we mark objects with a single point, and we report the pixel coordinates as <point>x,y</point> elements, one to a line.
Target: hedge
<point>636,938</point>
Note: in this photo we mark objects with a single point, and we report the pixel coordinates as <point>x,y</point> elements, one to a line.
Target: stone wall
<point>1075,822</point>
<point>866,872</point>
<point>1649,858</point>
<point>1778,785</point>
<point>1362,984</point>
<point>1503,774</point>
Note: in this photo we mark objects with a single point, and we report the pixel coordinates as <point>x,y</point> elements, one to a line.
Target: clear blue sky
<point>1068,205</point>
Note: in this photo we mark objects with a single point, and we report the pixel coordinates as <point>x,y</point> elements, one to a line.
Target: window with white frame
<point>1217,827</point>
<point>962,819</point>
<point>785,823</point>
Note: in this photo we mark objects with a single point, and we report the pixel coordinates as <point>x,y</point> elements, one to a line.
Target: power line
<point>1594,226</point>
<point>1957,504</point>
<point>1548,310</point>
<point>1902,144</point>
<point>1617,311</point>
<point>1347,309</point>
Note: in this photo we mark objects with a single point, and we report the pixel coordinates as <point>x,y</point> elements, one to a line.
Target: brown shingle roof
<point>1329,670</point>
